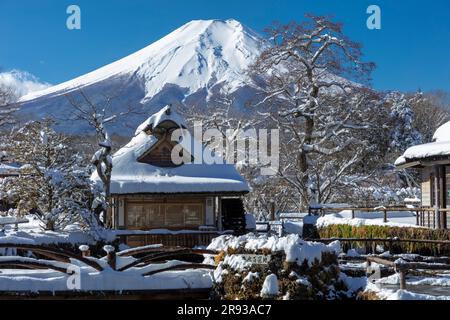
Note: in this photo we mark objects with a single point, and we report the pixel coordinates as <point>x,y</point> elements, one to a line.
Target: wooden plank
<point>186,266</point>
<point>55,252</point>
<point>381,261</point>
<point>155,257</point>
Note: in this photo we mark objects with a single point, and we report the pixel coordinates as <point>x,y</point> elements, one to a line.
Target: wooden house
<point>433,161</point>
<point>151,193</point>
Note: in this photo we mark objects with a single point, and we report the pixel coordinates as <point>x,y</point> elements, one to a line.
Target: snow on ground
<point>399,294</point>
<point>442,280</point>
<point>32,233</point>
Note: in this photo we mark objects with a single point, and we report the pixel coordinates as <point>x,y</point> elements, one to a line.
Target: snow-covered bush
<point>296,269</point>
<point>384,195</point>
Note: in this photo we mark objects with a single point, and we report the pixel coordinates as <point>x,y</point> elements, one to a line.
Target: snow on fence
<point>425,216</point>
<point>402,267</point>
<point>4,221</point>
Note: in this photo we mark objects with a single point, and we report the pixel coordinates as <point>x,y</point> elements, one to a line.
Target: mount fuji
<point>189,66</point>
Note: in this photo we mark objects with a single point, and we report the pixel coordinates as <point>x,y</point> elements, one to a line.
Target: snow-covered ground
<point>32,233</point>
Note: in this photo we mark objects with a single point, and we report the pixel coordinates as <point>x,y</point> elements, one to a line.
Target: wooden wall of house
<point>426,186</point>
<point>144,212</point>
<point>447,185</point>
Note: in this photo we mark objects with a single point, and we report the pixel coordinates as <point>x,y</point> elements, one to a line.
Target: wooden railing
<point>188,240</point>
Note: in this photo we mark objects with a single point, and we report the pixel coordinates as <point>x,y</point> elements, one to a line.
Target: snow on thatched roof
<point>438,148</point>
<point>165,114</point>
<point>442,133</point>
<point>130,176</point>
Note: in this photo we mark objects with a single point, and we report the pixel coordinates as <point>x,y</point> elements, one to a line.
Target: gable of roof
<point>157,154</point>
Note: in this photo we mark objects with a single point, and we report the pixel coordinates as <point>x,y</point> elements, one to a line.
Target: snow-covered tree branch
<point>54,181</point>
<point>320,113</point>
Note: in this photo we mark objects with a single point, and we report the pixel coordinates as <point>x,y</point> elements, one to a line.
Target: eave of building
<point>424,162</point>
<point>212,193</point>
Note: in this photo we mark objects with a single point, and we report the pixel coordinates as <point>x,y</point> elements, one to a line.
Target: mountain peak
<point>191,57</point>
<point>195,61</point>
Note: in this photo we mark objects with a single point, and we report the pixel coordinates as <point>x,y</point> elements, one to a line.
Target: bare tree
<point>97,115</point>
<point>431,110</point>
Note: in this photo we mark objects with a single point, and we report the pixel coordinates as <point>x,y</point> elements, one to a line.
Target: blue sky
<point>412,50</point>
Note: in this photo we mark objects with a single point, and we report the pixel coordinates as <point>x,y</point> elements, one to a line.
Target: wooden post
<point>85,252</point>
<point>385,216</point>
<point>368,268</point>
<point>272,210</point>
<point>402,275</point>
<point>110,256</point>
<point>422,218</point>
<point>353,214</point>
<point>417,217</point>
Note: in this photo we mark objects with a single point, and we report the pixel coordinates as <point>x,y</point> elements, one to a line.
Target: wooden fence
<point>188,240</point>
<point>425,216</point>
<point>403,267</point>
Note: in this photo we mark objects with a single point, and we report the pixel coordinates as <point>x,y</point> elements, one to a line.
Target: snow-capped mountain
<point>187,66</point>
